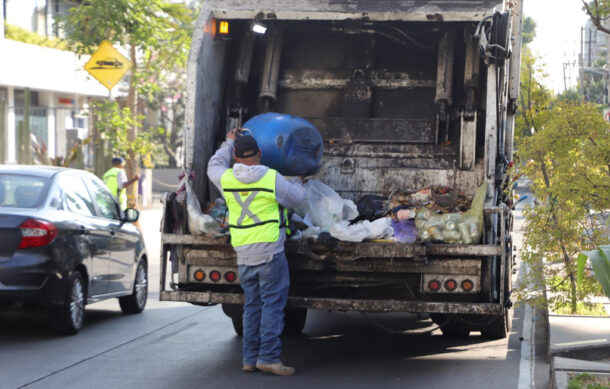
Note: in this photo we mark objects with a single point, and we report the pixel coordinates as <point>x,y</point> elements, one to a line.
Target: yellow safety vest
<point>254,214</point>
<point>111,181</point>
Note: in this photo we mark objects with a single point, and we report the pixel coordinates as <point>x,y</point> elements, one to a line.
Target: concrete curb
<point>578,358</point>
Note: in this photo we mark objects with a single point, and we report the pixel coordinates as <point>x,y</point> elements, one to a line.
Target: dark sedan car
<point>64,243</point>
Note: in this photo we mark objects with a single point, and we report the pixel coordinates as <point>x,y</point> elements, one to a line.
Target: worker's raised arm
<point>221,160</point>
<point>289,193</point>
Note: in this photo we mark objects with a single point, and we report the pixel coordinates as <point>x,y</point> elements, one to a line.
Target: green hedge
<point>22,35</point>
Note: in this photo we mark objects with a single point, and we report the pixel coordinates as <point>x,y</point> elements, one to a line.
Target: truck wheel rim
<point>141,286</point>
<point>77,304</point>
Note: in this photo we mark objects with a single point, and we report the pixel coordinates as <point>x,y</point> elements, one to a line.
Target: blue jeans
<point>266,291</point>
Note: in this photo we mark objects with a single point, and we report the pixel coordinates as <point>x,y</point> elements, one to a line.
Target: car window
<point>22,191</point>
<point>107,207</point>
<point>76,196</point>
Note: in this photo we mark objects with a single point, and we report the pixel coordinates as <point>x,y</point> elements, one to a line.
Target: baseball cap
<point>118,161</point>
<point>245,146</point>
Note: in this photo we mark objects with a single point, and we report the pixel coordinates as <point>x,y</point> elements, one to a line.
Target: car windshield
<point>22,191</point>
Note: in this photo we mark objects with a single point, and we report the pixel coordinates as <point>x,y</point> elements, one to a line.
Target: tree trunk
<point>573,295</point>
<point>566,256</point>
<point>173,161</point>
<point>131,167</point>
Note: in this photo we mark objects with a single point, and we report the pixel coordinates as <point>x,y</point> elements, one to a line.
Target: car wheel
<point>135,302</point>
<point>70,316</point>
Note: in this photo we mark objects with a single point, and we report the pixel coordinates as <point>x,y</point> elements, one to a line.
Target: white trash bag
<point>324,206</point>
<point>378,229</point>
<point>198,222</point>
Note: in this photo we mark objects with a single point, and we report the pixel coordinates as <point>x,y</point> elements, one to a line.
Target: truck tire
<point>500,327</point>
<point>451,326</point>
<point>235,312</point>
<point>294,319</point>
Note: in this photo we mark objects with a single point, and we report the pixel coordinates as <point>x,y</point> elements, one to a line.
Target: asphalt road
<point>174,345</point>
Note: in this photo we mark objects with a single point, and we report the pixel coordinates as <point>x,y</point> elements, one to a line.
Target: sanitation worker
<point>257,198</point>
<point>116,181</point>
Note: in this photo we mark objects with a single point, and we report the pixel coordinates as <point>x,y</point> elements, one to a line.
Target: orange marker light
<point>199,275</point>
<point>467,285</point>
<point>223,27</point>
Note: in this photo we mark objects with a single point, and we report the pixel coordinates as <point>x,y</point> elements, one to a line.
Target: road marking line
<point>526,365</point>
<point>113,348</point>
<point>581,342</point>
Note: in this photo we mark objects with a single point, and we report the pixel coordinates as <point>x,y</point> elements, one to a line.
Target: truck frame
<point>405,93</point>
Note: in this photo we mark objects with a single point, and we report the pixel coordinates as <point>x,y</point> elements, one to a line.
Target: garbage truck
<point>405,94</point>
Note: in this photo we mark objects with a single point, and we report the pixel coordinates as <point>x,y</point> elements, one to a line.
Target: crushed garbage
<point>456,227</point>
<point>404,230</point>
<point>433,214</point>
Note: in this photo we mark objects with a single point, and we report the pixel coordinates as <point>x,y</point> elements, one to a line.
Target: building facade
<point>47,85</point>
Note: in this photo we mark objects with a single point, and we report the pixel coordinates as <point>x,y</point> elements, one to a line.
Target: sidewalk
<point>578,344</point>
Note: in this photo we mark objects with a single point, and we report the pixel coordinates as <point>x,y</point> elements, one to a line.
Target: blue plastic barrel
<point>289,144</point>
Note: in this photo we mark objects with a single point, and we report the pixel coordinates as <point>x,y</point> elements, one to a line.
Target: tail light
<point>450,285</point>
<point>434,285</point>
<point>230,276</point>
<point>36,233</point>
<point>215,276</point>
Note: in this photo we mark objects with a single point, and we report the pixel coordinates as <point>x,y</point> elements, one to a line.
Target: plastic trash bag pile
<point>213,221</point>
<point>433,214</point>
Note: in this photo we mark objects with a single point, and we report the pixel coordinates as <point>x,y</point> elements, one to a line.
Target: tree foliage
<point>170,103</point>
<point>113,123</point>
<point>157,34</point>
<point>598,11</point>
<point>569,165</point>
<point>529,31</point>
<point>534,98</point>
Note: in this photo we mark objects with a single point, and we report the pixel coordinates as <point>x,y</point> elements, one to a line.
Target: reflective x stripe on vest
<point>254,214</point>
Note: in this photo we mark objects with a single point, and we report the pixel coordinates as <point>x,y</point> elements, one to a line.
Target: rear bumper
<point>343,304</point>
<point>32,278</point>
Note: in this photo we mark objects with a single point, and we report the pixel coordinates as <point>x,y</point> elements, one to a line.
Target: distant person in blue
<point>257,198</point>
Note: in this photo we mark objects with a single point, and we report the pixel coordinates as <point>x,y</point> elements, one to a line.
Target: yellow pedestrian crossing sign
<point>107,65</point>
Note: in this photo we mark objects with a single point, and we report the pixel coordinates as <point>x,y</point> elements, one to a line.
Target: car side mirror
<point>131,215</point>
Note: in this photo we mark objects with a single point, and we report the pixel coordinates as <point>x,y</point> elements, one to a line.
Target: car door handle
<point>83,231</point>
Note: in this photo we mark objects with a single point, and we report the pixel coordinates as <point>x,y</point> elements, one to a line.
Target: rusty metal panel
<point>463,266</point>
<point>416,10</point>
<point>338,79</point>
<point>347,251</point>
<point>167,238</point>
<point>376,130</point>
<point>344,304</point>
<point>457,250</point>
<point>384,175</point>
